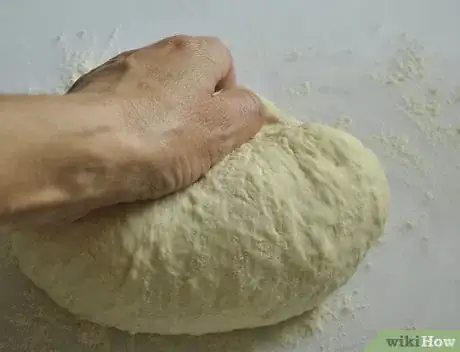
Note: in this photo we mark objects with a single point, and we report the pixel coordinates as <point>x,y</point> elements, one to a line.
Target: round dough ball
<point>266,235</point>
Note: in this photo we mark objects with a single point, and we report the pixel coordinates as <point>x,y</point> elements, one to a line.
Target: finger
<point>237,116</point>
<point>214,58</point>
<point>228,82</point>
<point>218,63</point>
<point>120,57</point>
<point>269,115</point>
<point>82,81</point>
<point>177,41</point>
<point>173,43</point>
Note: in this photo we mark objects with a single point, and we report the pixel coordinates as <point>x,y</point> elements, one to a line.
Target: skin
<point>145,124</point>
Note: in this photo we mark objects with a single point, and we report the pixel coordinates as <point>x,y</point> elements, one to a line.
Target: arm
<point>56,153</point>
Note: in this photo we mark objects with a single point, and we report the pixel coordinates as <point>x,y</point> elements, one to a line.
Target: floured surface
<point>266,235</point>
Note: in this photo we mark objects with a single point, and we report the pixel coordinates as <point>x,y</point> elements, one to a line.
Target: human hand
<point>170,112</point>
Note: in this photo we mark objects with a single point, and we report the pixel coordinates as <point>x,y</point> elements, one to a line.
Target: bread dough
<point>266,235</point>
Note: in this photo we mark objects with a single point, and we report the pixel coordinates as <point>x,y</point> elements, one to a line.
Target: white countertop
<point>328,61</point>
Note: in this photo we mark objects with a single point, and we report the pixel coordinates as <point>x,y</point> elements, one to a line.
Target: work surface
<point>388,71</point>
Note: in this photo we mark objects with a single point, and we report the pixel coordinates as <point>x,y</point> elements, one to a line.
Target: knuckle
<point>215,47</point>
<point>252,105</point>
<point>218,45</point>
<point>124,55</point>
<point>125,58</point>
<point>120,58</point>
<point>180,41</point>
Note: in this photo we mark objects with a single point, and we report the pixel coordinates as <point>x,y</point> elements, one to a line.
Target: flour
<point>424,97</point>
<point>398,146</point>
<point>294,56</point>
<point>76,63</point>
<point>302,90</point>
<point>343,123</point>
<point>427,105</point>
<point>407,64</point>
<point>92,335</point>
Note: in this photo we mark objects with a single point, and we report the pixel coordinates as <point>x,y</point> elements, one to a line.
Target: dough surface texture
<point>266,235</point>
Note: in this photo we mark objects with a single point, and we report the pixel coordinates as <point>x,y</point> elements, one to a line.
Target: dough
<point>268,234</point>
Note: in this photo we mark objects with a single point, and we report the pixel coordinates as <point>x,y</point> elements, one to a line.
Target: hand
<point>145,124</point>
<point>179,105</point>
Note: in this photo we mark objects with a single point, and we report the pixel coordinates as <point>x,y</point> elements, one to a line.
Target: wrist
<point>69,156</point>
<point>84,159</point>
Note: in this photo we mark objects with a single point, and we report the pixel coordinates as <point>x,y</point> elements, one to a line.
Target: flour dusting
<point>78,62</point>
<point>424,96</point>
<point>427,105</point>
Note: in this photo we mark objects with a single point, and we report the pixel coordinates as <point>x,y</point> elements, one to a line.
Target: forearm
<point>57,154</point>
